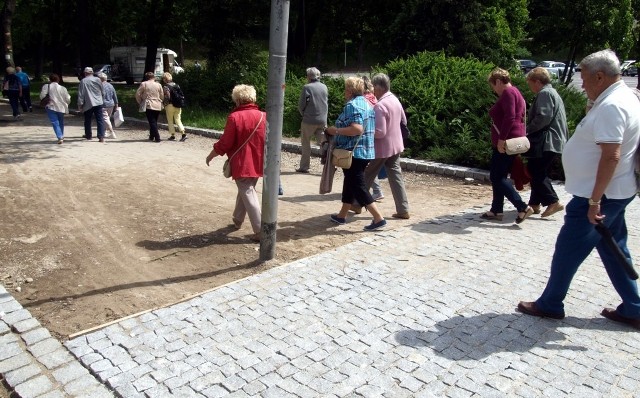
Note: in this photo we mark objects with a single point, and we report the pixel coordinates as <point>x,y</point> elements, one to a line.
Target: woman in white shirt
<point>58,105</point>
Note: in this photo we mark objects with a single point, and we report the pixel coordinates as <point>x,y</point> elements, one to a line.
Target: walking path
<point>425,310</point>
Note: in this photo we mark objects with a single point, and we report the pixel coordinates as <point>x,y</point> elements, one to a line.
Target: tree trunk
<point>7,17</point>
<point>160,12</point>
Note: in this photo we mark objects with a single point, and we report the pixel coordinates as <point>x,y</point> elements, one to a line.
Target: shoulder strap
<point>253,132</point>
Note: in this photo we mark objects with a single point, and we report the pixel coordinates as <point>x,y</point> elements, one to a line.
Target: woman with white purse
<point>507,115</point>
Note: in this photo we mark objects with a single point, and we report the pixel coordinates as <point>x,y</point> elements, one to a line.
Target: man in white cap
<point>90,101</point>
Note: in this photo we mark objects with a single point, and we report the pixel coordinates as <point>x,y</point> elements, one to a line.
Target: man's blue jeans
<point>576,240</point>
<point>57,120</point>
<point>96,111</point>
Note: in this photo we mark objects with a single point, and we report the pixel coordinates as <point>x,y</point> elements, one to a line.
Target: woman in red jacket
<point>507,115</point>
<point>243,143</point>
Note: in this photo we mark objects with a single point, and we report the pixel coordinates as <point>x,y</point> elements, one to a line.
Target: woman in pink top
<point>507,115</point>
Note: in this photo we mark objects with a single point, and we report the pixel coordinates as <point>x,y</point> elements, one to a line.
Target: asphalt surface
<point>422,311</point>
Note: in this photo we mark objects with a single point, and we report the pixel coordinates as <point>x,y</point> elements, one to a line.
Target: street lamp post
<point>346,41</point>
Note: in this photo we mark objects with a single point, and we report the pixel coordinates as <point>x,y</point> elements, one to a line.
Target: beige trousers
<point>306,131</point>
<point>174,116</point>
<point>247,202</point>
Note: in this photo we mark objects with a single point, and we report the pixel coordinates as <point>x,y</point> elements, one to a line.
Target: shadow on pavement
<point>480,336</point>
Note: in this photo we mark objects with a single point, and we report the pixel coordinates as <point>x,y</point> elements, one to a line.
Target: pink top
<point>371,99</point>
<point>388,137</point>
<point>507,114</point>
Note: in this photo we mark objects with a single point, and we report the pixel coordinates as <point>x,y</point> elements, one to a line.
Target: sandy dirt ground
<point>95,232</point>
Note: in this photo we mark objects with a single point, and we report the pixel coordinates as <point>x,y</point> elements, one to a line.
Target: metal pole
<point>275,109</point>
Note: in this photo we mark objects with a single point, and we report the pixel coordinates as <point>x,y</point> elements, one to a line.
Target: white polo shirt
<point>614,118</point>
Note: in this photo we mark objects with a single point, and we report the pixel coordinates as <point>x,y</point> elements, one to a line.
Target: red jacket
<point>248,162</point>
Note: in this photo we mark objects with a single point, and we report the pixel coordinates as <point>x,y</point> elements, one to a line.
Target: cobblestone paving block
<point>22,374</point>
<point>35,336</point>
<point>26,325</point>
<point>55,359</point>
<point>15,362</point>
<point>4,328</point>
<point>53,394</point>
<point>8,350</point>
<point>34,387</point>
<point>11,318</point>
<point>69,372</point>
<point>44,347</point>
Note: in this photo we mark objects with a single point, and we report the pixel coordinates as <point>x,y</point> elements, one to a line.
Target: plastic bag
<point>118,117</point>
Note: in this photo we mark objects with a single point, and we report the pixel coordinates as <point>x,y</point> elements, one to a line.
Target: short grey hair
<point>102,76</point>
<point>313,73</point>
<point>604,61</point>
<point>381,80</point>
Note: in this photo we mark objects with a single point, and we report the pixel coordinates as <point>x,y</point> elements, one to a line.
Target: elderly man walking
<point>90,102</point>
<point>388,143</point>
<point>313,106</point>
<point>598,162</point>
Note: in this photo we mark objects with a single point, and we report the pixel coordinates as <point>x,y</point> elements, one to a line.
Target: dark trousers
<point>353,187</point>
<point>542,191</point>
<point>152,118</point>
<point>502,186</point>
<point>14,96</point>
<point>96,111</point>
<point>25,100</point>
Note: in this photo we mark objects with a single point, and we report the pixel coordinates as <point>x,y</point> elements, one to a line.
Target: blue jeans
<point>96,111</point>
<point>501,186</point>
<point>576,241</point>
<point>57,121</point>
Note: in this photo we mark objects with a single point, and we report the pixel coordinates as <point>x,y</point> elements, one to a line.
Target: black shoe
<point>302,171</point>
<point>158,140</point>
<point>172,138</point>
<point>183,138</point>
<point>151,138</point>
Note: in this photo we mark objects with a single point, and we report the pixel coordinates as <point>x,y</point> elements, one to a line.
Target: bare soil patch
<point>94,232</point>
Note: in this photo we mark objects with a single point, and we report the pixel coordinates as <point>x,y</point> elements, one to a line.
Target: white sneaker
<point>377,196</point>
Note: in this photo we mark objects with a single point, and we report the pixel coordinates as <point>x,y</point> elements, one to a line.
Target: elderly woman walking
<point>58,106</point>
<point>507,115</point>
<point>547,121</point>
<point>109,106</point>
<point>243,143</point>
<point>151,93</point>
<point>354,131</point>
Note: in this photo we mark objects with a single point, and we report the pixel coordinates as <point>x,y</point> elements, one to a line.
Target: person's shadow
<point>480,336</point>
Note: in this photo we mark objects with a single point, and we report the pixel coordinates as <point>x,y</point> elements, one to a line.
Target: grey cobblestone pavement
<point>422,311</point>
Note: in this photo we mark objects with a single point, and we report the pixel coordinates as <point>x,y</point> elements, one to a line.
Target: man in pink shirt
<point>388,143</point>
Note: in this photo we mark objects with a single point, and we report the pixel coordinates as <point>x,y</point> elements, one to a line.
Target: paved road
<point>426,310</point>
<point>576,81</point>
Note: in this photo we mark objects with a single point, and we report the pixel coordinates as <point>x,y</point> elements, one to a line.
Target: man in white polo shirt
<point>598,162</point>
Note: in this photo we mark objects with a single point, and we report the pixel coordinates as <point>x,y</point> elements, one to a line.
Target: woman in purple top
<point>507,115</point>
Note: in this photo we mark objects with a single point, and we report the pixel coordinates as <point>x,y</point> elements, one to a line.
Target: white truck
<point>127,63</point>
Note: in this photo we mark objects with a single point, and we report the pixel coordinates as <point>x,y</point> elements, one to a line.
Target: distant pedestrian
<point>598,161</point>
<point>313,106</point>
<point>110,105</point>
<point>173,106</point>
<point>150,92</point>
<point>25,98</point>
<point>12,88</point>
<point>58,106</point>
<point>197,66</point>
<point>243,143</point>
<point>90,102</point>
<point>548,119</point>
<point>507,115</point>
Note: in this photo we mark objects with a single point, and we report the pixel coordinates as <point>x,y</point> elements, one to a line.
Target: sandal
<point>526,213</point>
<point>489,215</point>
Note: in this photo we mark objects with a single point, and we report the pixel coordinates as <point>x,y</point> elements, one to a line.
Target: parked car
<point>526,65</point>
<point>632,70</point>
<point>103,68</point>
<point>555,69</point>
<point>626,65</point>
